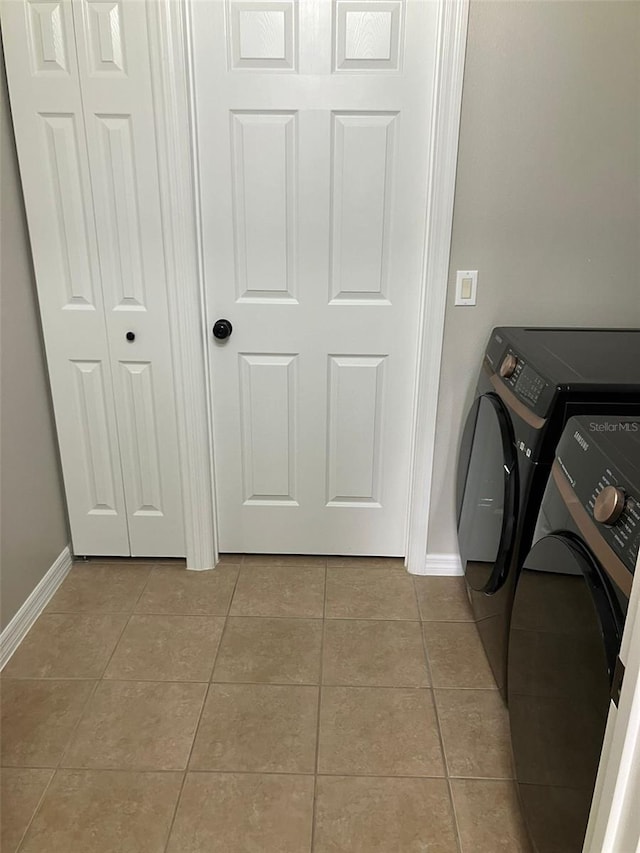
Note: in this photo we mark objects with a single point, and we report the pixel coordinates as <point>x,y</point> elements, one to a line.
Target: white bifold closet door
<point>82,108</point>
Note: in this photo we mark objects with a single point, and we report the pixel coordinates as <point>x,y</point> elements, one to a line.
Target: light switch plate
<point>466,287</point>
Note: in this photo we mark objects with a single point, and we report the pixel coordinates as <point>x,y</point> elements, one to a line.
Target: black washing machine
<point>531,382</point>
<point>568,614</point>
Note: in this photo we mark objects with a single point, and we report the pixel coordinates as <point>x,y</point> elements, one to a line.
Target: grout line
<point>215,657</point>
<point>143,590</point>
<point>346,685</point>
<point>36,809</point>
<point>121,612</point>
<point>233,592</point>
<point>113,650</point>
<point>219,613</point>
<point>201,714</point>
<point>222,636</point>
<point>248,683</point>
<point>455,815</point>
<point>318,710</point>
<point>81,716</point>
<point>232,683</point>
<point>350,618</point>
<point>440,737</point>
<point>186,767</point>
<point>230,771</point>
<point>217,652</point>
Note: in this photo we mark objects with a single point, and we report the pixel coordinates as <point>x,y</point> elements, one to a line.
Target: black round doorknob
<point>222,329</point>
<point>130,336</point>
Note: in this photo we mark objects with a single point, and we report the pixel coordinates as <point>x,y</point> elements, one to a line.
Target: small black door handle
<point>222,329</point>
<point>130,336</point>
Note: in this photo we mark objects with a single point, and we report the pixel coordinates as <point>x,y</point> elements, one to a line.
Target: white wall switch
<point>466,287</point>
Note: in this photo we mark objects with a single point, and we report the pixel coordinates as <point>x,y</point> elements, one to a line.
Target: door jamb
<point>170,74</point>
<point>614,823</point>
<point>171,62</point>
<point>453,18</point>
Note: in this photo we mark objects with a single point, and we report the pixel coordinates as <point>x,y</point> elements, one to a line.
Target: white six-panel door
<point>313,129</point>
<point>82,109</point>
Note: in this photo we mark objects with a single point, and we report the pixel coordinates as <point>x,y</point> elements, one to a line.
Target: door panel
<point>313,123</point>
<point>47,113</point>
<point>264,162</point>
<point>356,406</point>
<point>63,167</point>
<point>117,98</point>
<point>268,392</point>
<point>92,404</point>
<point>361,210</point>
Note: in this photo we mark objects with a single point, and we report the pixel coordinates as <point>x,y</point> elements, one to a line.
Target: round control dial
<point>509,364</point>
<point>609,504</point>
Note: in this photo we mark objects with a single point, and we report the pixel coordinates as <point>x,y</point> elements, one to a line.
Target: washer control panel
<point>520,377</point>
<point>601,458</point>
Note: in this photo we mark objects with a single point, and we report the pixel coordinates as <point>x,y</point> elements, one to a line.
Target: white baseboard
<point>17,629</point>
<point>442,565</point>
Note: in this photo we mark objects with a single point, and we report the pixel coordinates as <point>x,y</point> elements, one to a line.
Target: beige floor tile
<point>20,793</point>
<point>379,732</point>
<point>100,588</point>
<point>167,648</point>
<point>375,815</point>
<point>229,560</point>
<point>179,591</point>
<point>104,812</point>
<point>257,728</point>
<point>456,656</point>
<point>243,813</point>
<point>38,719</point>
<point>67,645</point>
<point>475,733</point>
<point>131,725</point>
<point>443,599</point>
<point>374,653</point>
<point>284,560</point>
<point>279,651</point>
<point>279,591</point>
<point>366,562</point>
<point>370,594</point>
<point>488,815</point>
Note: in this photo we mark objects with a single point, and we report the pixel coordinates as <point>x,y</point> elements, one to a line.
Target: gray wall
<point>547,203</point>
<point>33,528</point>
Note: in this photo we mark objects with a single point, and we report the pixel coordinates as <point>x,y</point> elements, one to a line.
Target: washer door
<point>487,494</point>
<point>564,638</point>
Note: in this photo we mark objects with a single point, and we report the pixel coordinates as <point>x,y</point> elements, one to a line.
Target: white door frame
<point>614,822</point>
<point>171,51</point>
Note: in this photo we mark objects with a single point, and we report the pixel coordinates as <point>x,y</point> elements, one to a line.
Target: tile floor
<point>276,705</point>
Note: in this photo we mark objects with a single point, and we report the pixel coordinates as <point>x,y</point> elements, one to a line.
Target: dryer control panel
<point>601,459</point>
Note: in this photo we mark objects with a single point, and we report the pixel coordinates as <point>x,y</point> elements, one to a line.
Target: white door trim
<point>447,104</point>
<point>171,49</point>
<point>614,822</point>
